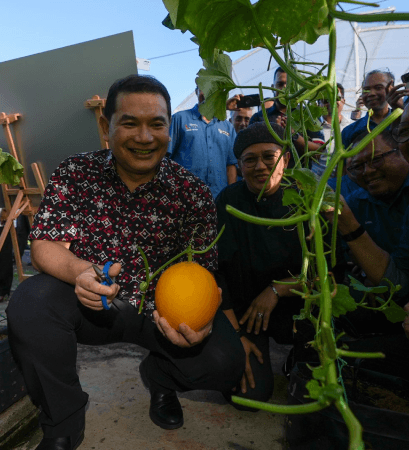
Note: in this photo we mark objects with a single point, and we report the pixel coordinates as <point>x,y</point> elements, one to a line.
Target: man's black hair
<point>145,84</point>
<point>389,75</point>
<point>278,70</point>
<point>341,89</point>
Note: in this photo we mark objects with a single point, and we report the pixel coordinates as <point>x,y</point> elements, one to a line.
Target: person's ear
<point>286,156</point>
<point>104,124</point>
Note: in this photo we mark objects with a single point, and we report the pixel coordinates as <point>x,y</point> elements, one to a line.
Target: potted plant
<point>242,25</point>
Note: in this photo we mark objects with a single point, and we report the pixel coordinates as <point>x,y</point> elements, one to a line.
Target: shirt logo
<point>191,127</point>
<point>224,132</point>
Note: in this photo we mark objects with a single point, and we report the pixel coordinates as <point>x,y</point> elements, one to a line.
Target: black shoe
<point>61,443</point>
<point>165,410</point>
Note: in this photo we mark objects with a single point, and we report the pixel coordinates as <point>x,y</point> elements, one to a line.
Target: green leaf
<point>394,313</point>
<point>294,20</point>
<point>215,82</point>
<point>319,373</point>
<point>229,25</point>
<point>291,197</point>
<point>10,169</point>
<point>358,286</point>
<point>314,389</point>
<point>222,24</point>
<point>343,302</point>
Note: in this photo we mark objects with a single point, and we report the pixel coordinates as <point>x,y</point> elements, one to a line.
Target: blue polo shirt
<point>351,131</point>
<point>347,185</point>
<point>206,149</point>
<point>383,221</point>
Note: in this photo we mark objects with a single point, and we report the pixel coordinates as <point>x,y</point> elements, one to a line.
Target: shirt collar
<point>196,113</point>
<point>163,176</point>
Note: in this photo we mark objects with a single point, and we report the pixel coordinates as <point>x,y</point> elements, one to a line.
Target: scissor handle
<point>107,281</point>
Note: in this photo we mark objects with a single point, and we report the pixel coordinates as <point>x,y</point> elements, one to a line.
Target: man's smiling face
<point>138,135</point>
<point>385,180</point>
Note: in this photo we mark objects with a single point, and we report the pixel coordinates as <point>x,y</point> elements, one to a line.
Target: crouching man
<point>98,207</point>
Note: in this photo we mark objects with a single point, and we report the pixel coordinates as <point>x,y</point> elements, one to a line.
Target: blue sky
<point>29,27</point>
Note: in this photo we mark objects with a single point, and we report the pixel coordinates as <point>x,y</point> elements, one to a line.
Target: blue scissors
<point>106,280</point>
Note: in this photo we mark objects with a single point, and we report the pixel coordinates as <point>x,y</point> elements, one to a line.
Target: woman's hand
<point>259,311</point>
<point>249,348</point>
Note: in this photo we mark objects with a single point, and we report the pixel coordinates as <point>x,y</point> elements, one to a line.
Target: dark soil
<point>383,393</point>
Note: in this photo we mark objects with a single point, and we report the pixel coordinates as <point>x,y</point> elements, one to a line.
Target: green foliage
<point>230,25</point>
<point>215,82</point>
<point>358,286</point>
<point>227,24</point>
<point>342,302</point>
<point>10,169</point>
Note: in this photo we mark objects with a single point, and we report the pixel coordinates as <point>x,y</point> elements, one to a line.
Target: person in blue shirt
<point>371,222</point>
<point>277,114</point>
<point>380,95</point>
<point>204,147</point>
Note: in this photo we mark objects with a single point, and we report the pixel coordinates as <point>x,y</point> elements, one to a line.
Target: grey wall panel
<point>49,90</point>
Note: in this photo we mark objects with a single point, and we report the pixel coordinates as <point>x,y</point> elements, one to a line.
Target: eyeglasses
<point>269,159</point>
<point>400,135</point>
<point>376,162</point>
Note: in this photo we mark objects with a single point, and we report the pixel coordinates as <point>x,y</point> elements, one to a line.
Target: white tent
<point>360,48</point>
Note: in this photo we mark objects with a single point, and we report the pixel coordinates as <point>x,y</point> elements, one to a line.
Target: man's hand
<point>185,337</point>
<point>231,104</point>
<point>260,310</point>
<point>347,222</point>
<point>249,348</point>
<point>89,289</point>
<point>395,96</point>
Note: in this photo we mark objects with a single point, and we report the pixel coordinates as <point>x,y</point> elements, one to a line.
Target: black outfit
<point>50,324</point>
<point>6,253</point>
<point>250,257</point>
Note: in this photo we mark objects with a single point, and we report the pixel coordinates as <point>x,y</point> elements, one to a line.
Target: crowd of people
<point>164,184</point>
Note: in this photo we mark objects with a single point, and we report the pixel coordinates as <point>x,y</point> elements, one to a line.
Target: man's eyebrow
<point>125,117</point>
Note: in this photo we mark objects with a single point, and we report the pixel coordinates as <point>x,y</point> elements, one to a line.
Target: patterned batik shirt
<point>87,204</point>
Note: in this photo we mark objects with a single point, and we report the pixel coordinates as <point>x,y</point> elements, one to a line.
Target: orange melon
<point>187,293</point>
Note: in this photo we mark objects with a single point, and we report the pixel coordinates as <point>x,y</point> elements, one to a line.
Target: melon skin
<point>187,293</point>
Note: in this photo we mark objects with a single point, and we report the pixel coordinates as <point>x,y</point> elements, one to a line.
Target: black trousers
<point>46,321</point>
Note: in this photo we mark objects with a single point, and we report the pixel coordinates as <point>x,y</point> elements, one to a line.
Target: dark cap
<point>257,133</point>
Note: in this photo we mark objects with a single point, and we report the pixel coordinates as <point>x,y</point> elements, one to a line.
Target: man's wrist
<point>355,234</point>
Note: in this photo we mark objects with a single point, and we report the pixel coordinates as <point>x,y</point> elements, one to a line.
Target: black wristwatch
<point>295,136</point>
<point>354,235</point>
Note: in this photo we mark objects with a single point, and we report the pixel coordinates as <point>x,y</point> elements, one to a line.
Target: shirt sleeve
<point>174,133</point>
<point>231,158</point>
<point>56,218</point>
<point>397,270</point>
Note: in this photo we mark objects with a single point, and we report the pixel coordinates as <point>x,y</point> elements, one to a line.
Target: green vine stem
<point>287,68</point>
<point>268,222</point>
<point>190,252</point>
<point>396,17</point>
<point>282,409</point>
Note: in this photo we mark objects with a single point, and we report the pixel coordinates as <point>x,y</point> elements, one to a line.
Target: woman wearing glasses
<point>253,257</point>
